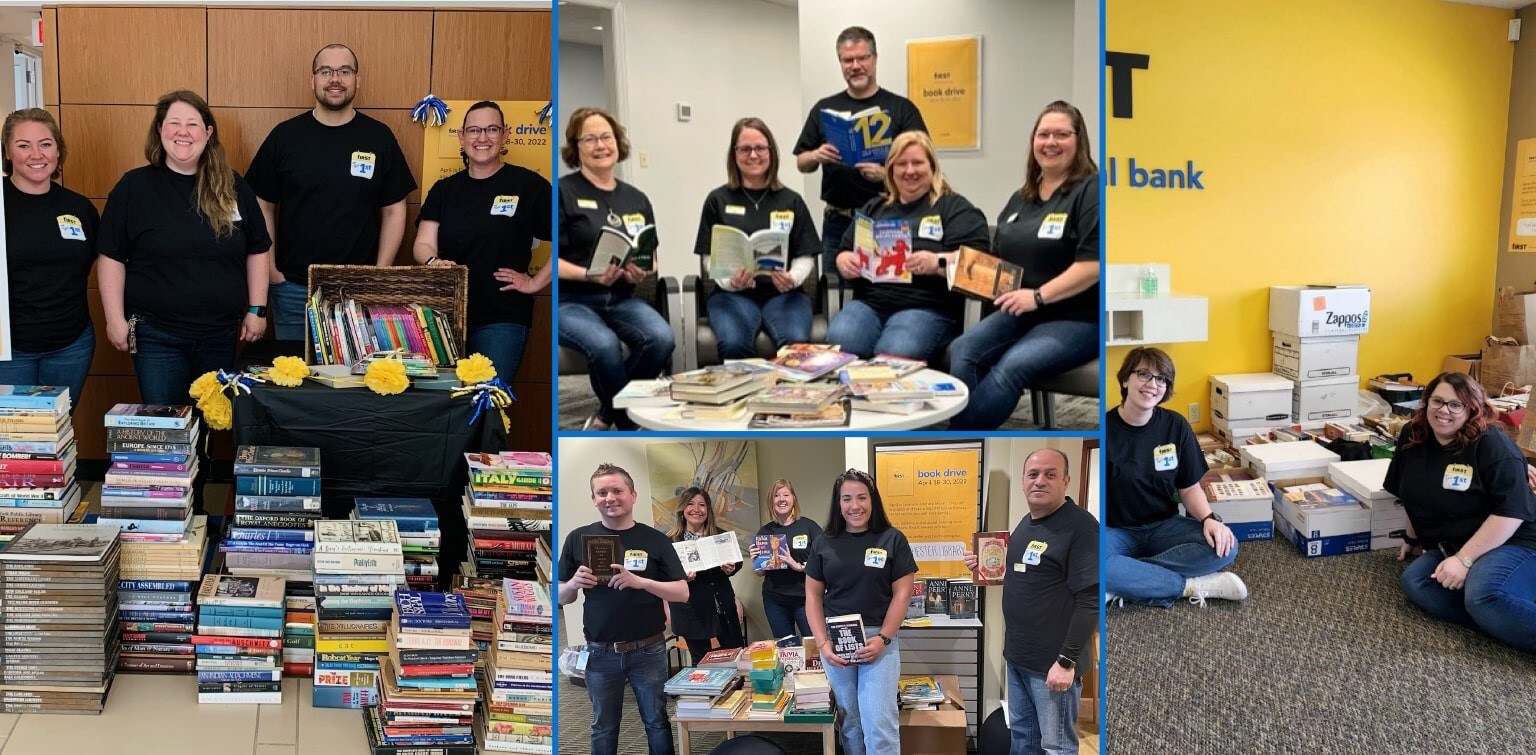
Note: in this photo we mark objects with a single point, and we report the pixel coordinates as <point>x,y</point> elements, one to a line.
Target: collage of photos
<point>768,377</point>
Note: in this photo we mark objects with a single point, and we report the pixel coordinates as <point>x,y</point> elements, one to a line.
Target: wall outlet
<point>1194,412</point>
<point>644,158</point>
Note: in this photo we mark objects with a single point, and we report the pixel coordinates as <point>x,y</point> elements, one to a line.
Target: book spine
<point>257,612</point>
<point>120,480</point>
<point>16,467</point>
<point>276,470</point>
<point>267,698</point>
<point>344,697</point>
<point>263,485</point>
<point>240,676</point>
<point>32,447</point>
<point>356,678</point>
<point>133,420</point>
<point>282,535</point>
<point>33,481</point>
<point>276,503</point>
<point>181,437</point>
<point>169,585</point>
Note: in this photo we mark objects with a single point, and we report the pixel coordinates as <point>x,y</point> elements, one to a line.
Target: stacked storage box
<point>1324,526</point>
<point>1244,502</point>
<point>1249,404</point>
<point>1363,480</point>
<point>1316,331</point>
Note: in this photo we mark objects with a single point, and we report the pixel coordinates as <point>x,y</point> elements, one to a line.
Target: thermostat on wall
<point>684,112</point>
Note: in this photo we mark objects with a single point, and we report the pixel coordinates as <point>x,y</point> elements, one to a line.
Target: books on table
<point>809,361</point>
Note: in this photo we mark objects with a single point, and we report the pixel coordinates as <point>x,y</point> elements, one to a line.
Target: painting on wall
<point>727,469</point>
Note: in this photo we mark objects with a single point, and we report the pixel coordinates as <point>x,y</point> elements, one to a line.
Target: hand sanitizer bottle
<point>1149,281</point>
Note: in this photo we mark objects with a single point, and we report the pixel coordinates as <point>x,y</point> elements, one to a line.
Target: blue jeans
<point>866,701</point>
<point>599,325</point>
<point>502,343</point>
<point>833,226</point>
<point>785,619</point>
<point>1149,563</point>
<point>646,672</point>
<point>913,333</point>
<point>1039,720</point>
<point>736,318</point>
<point>65,366</point>
<point>285,304</point>
<point>166,364</point>
<point>1499,597</point>
<point>1002,355</point>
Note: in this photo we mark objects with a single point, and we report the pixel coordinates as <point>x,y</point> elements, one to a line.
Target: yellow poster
<point>529,135</point>
<point>944,81</point>
<point>1522,212</point>
<point>931,493</point>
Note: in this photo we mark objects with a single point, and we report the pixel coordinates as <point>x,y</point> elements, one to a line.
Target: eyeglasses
<point>592,140</point>
<point>344,72</point>
<point>475,131</point>
<point>1060,136</point>
<point>1147,376</point>
<point>1454,407</point>
<point>752,149</point>
<point>860,59</point>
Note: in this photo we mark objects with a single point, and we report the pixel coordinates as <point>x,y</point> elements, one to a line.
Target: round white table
<point>938,409</point>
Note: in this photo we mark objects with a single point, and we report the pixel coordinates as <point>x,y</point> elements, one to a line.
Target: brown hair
<point>794,506</point>
<point>356,64</point>
<point>857,34</point>
<point>1082,158</point>
<point>1469,392</point>
<point>605,469</point>
<point>836,524</point>
<point>569,153</point>
<point>215,179</point>
<point>733,171</point>
<point>1152,356</point>
<point>940,187</point>
<point>482,105</point>
<point>32,115</point>
<point>680,522</point>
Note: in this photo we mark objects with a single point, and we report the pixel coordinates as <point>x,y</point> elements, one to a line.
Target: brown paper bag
<point>1506,363</point>
<point>1515,315</point>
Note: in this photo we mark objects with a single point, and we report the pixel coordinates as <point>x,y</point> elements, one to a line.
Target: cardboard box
<point>1233,433</point>
<point>1247,532</point>
<point>1313,524</point>
<point>1313,358</point>
<point>1467,364</point>
<point>1284,462</point>
<point>1306,311</point>
<point>1251,396</point>
<point>1363,480</point>
<point>936,732</point>
<point>1325,398</point>
<point>1322,546</point>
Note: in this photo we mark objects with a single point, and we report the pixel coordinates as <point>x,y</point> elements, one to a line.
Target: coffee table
<point>939,409</point>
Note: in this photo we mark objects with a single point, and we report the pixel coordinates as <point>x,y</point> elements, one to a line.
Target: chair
<point>699,343</point>
<point>661,293</point>
<point>836,294</point>
<point>1079,381</point>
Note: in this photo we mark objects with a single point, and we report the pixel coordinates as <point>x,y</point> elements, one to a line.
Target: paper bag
<point>1506,363</point>
<point>1514,315</point>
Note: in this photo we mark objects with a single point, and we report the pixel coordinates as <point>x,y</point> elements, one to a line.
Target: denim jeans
<point>785,619</point>
<point>502,343</point>
<point>599,325</point>
<point>1499,597</point>
<point>285,304</point>
<point>866,701</point>
<point>913,333</point>
<point>1149,563</point>
<point>833,226</point>
<point>736,318</point>
<point>166,364</point>
<point>1002,355</point>
<point>1039,720</point>
<point>66,366</point>
<point>646,672</point>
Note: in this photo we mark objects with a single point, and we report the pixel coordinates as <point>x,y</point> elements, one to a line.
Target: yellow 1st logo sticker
<point>1033,552</point>
<point>1054,225</point>
<point>504,205</point>
<point>1458,477</point>
<point>70,228</point>
<point>1165,457</point>
<point>362,164</point>
<point>636,560</point>
<point>874,557</point>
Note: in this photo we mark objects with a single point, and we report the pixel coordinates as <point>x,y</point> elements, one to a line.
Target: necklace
<point>614,220</point>
<point>756,203</point>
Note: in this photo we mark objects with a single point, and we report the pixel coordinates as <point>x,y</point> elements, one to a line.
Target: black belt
<point>625,647</point>
<point>845,212</point>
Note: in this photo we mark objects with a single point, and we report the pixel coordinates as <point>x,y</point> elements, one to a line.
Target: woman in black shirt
<point>712,611</point>
<point>183,265</point>
<point>50,238</point>
<point>784,583</point>
<point>1051,229</point>
<point>488,217</point>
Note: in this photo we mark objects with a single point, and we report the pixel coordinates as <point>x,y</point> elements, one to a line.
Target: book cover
<point>61,542</point>
<point>773,550</point>
<point>227,590</point>
<point>846,633</point>
<point>732,249</point>
<point>808,361</point>
<point>991,549</point>
<point>981,275</point>
<point>861,137</point>
<point>616,246</point>
<point>149,415</point>
<point>881,248</point>
<point>34,397</point>
<point>962,599</point>
<point>938,597</point>
<point>599,553</point>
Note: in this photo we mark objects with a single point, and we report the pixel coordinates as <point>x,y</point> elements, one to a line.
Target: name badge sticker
<point>1033,552</point>
<point>1011,218</point>
<point>70,228</point>
<point>782,220</point>
<point>586,204</point>
<point>362,164</point>
<point>582,658</point>
<point>735,209</point>
<point>1054,225</point>
<point>633,222</point>
<point>234,215</point>
<point>874,557</point>
<point>636,560</point>
<point>801,542</point>
<point>1458,477</point>
<point>504,205</point>
<point>1020,568</point>
<point>931,227</point>
<point>1165,457</point>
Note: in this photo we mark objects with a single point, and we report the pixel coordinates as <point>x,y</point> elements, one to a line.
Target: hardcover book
<point>938,596</point>
<point>149,415</point>
<point>599,553</point>
<point>962,599</point>
<point>991,549</point>
<point>772,552</point>
<point>983,275</point>
<point>846,633</point>
<point>277,461</point>
<point>61,542</point>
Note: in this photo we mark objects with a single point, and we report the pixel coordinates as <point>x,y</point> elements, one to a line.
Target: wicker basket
<point>443,288</point>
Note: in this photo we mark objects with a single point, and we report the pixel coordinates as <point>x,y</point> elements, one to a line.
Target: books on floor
<point>358,565</point>
<point>427,679</point>
<point>37,457</point>
<point>517,685</point>
<point>420,535</point>
<point>508,509</point>
<point>239,639</point>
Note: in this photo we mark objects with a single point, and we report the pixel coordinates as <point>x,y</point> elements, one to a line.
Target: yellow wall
<point>1360,142</point>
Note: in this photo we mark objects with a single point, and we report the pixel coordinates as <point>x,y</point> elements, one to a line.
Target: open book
<point>983,275</point>
<point>881,247</point>
<point>615,246</point>
<point>862,137</point>
<point>731,249</point>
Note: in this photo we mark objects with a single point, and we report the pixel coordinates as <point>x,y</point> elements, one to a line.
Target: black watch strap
<point>1065,662</point>
<point>260,310</point>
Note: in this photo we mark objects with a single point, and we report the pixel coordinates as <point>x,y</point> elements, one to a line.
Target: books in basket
<point>731,249</point>
<point>618,246</point>
<point>794,398</point>
<point>808,361</point>
<point>881,248</point>
<point>846,633</point>
<point>983,275</point>
<point>991,549</point>
<point>860,137</point>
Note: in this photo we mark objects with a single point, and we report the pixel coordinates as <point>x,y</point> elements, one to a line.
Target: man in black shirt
<point>332,185</point>
<point>1050,608</point>
<point>624,618</point>
<point>845,188</point>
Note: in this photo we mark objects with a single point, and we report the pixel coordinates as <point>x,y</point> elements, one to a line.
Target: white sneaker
<point>1222,585</point>
<point>1111,599</point>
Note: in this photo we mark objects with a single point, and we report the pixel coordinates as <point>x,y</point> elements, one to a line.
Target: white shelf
<point>1135,318</point>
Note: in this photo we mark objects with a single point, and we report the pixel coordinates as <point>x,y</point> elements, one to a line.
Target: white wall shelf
<point>1135,319</point>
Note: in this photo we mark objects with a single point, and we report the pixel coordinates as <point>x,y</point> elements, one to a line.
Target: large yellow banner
<point>1522,213</point>
<point>944,81</point>
<point>529,135</point>
<point>932,493</point>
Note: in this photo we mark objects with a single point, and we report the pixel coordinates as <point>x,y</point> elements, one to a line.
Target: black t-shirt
<point>584,211</point>
<point>841,185</point>
<point>1051,608</point>
<point>610,615</point>
<point>1447,507</point>
<point>1148,466</point>
<point>941,226</point>
<point>329,195</point>
<point>710,588</point>
<point>490,223</point>
<point>788,585</point>
<point>858,569</point>
<point>781,209</point>
<point>181,277</point>
<point>1046,250</point>
<point>50,242</point>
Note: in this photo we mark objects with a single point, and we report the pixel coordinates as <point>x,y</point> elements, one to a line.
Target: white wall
<point>582,83</point>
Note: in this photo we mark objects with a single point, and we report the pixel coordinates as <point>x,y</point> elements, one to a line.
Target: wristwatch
<point>1065,662</point>
<point>260,310</point>
<point>1467,562</point>
<point>1039,300</point>
<point>1212,515</point>
<point>882,636</point>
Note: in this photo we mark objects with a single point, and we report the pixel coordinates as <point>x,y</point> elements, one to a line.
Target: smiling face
<point>783,502</point>
<point>1045,480</point>
<point>484,148</point>
<point>183,135</point>
<point>857,61</point>
<point>613,496</point>
<point>913,172</point>
<point>752,157</point>
<point>33,152</point>
<point>1055,143</point>
<point>857,507</point>
<point>1144,393</point>
<point>335,78</point>
<point>696,512</point>
<point>1446,412</point>
<point>599,149</point>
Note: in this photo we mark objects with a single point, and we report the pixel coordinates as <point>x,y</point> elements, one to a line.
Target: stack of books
<point>148,490</point>
<point>239,639</point>
<point>518,684</point>
<point>812,698</point>
<point>727,704</point>
<point>508,511</point>
<point>480,600</point>
<point>919,693</point>
<point>428,677</point>
<point>277,500</point>
<point>420,537</point>
<point>719,392</point>
<point>299,628</point>
<point>157,623</point>
<point>879,388</point>
<point>37,457</point>
<point>702,685</point>
<point>769,698</point>
<point>58,639</point>
<point>358,567</point>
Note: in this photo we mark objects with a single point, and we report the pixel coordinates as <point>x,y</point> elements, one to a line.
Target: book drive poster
<point>529,134</point>
<point>944,81</point>
<point>932,493</point>
<point>1522,213</point>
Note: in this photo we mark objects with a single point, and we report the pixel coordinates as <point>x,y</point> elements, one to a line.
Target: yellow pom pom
<point>386,377</point>
<point>206,383</point>
<point>288,371</point>
<point>475,368</point>
<point>216,409</point>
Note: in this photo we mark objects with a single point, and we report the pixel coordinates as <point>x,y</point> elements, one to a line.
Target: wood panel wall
<point>104,68</point>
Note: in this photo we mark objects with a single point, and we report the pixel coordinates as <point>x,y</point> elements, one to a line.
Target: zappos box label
<point>1305,311</point>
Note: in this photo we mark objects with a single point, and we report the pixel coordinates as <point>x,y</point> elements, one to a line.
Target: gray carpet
<point>1072,412</point>
<point>1325,656</point>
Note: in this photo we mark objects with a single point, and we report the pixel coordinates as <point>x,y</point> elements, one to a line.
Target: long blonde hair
<point>939,187</point>
<point>215,180</point>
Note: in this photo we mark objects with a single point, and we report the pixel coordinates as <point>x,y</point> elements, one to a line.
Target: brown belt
<point>625,647</point>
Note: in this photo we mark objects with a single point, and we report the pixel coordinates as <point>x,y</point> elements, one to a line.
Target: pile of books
<point>518,684</point>
<point>240,639</point>
<point>156,621</point>
<point>37,458</point>
<point>719,392</point>
<point>420,537</point>
<point>58,642</point>
<point>480,600</point>
<point>428,677</point>
<point>919,693</point>
<point>812,698</point>
<point>299,628</point>
<point>707,692</point>
<point>148,492</point>
<point>358,567</point>
<point>508,510</point>
<point>769,698</point>
<point>277,501</point>
<point>880,387</point>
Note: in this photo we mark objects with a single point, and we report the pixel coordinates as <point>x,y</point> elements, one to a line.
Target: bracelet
<point>430,261</point>
<point>1039,300</point>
